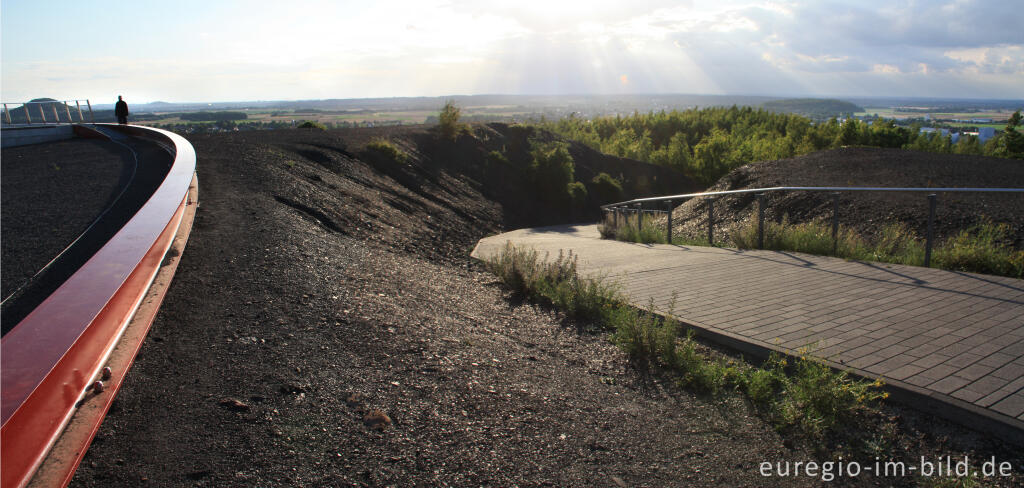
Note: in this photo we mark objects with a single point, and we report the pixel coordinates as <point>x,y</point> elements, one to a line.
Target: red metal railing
<point>50,359</point>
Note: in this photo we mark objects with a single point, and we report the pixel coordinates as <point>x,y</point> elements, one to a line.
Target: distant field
<point>365,116</point>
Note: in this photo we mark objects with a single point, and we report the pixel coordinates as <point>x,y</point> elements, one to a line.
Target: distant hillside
<point>816,108</point>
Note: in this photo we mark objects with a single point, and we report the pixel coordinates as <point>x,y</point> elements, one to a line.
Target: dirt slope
<point>315,290</point>
<point>868,212</point>
<point>318,292</point>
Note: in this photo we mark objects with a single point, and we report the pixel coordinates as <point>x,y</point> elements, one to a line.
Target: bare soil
<point>326,328</point>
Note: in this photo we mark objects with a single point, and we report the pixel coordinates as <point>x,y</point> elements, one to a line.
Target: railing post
<point>835,222</point>
<point>639,217</point>
<point>929,237</point>
<point>67,109</point>
<point>668,224</point>
<point>7,114</point>
<point>79,107</point>
<point>711,221</point>
<point>91,119</point>
<point>760,220</point>
<point>28,117</point>
<point>56,118</point>
<point>42,114</point>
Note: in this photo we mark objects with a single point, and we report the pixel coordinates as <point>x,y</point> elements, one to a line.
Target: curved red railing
<point>50,359</point>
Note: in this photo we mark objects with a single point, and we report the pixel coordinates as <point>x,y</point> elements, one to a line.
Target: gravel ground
<point>79,177</point>
<point>326,328</point>
<point>282,339</point>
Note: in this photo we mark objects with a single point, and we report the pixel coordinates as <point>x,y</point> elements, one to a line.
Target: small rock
<point>234,404</point>
<point>619,482</point>
<point>377,420</point>
<point>354,399</point>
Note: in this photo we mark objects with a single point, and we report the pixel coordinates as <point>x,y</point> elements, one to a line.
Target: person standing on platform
<point>121,111</point>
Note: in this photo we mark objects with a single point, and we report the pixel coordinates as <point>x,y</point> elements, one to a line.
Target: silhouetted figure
<point>121,111</point>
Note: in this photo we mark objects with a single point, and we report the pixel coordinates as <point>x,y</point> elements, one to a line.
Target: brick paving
<point>955,337</point>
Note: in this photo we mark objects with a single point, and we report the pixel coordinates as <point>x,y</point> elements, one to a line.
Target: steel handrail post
<point>930,235</point>
<point>711,220</point>
<point>27,116</point>
<point>760,220</point>
<point>91,119</point>
<point>668,223</point>
<point>835,222</point>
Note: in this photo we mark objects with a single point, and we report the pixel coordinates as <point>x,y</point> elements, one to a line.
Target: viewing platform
<point>947,342</point>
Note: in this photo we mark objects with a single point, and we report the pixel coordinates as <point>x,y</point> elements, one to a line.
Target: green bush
<point>606,189</point>
<point>309,124</point>
<point>982,249</point>
<point>577,194</point>
<point>556,282</point>
<point>552,169</point>
<point>387,150</point>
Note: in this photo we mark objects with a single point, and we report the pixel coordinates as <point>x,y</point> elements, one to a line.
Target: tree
<point>1011,143</point>
<point>449,120</point>
<point>848,134</point>
<point>553,170</point>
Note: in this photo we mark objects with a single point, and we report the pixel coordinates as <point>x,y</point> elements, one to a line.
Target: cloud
<point>436,47</point>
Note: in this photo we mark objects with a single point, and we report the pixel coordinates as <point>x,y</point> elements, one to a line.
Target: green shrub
<point>639,228</point>
<point>309,124</point>
<point>552,169</point>
<point>645,336</point>
<point>557,283</point>
<point>577,194</point>
<point>982,249</point>
<point>387,150</point>
<point>448,124</point>
<point>606,189</point>
<point>496,158</point>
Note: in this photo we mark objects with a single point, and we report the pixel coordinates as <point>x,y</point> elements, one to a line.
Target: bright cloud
<point>243,50</point>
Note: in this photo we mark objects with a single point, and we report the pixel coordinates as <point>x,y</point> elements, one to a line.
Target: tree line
<point>707,143</point>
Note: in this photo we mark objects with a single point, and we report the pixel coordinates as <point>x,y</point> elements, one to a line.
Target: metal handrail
<point>615,208</point>
<point>807,188</point>
<point>56,115</point>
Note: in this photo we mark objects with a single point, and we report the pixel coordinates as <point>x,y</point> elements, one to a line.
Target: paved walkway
<point>953,337</point>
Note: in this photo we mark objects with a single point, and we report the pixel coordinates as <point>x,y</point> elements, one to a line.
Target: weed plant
<point>644,229</point>
<point>984,248</point>
<point>808,395</point>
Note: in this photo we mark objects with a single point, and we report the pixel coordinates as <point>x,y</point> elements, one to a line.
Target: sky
<point>221,50</point>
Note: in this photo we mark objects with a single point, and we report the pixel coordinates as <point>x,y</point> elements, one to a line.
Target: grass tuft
<point>985,248</point>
